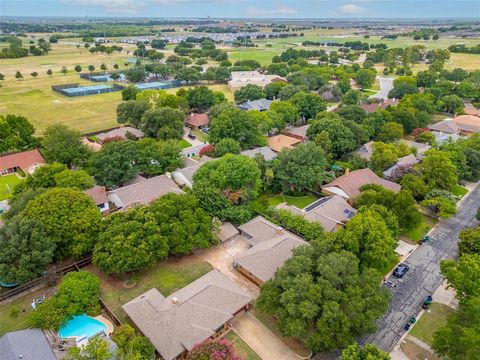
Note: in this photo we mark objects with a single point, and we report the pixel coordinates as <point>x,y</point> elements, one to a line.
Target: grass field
<point>7,183</point>
<point>167,276</point>
<point>430,322</point>
<point>245,351</point>
<point>419,232</point>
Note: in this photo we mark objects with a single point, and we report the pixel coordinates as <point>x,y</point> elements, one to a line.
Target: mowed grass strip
<point>7,183</point>
<point>430,322</point>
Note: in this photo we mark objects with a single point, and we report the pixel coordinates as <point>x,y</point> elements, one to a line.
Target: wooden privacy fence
<point>45,278</point>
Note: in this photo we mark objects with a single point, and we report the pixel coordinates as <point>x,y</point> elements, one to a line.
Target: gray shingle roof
<point>405,161</point>
<point>189,316</point>
<point>29,344</point>
<point>143,192</point>
<point>260,229</point>
<point>263,259</point>
<point>447,126</point>
<point>184,176</point>
<point>261,105</point>
<point>227,231</point>
<point>267,153</point>
<point>300,131</point>
<point>120,133</point>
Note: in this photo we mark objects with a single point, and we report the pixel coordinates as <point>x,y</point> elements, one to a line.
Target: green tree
<point>365,78</point>
<point>367,352</point>
<point>26,250</point>
<point>402,89</point>
<point>157,157</point>
<point>165,123</point>
<point>286,110</point>
<point>451,104</point>
<point>64,145</point>
<point>249,92</point>
<point>49,72</point>
<point>469,241</point>
<point>103,67</point>
<point>69,217</point>
<point>322,299</point>
<point>273,89</point>
<point>415,185</point>
<point>91,68</point>
<point>115,163</point>
<point>438,170</point>
<point>16,133</point>
<point>131,345</point>
<point>383,156</point>
<point>227,146</point>
<point>352,112</point>
<point>301,168</point>
<point>444,208</point>
<point>34,74</point>
<point>130,92</point>
<point>390,132</point>
<point>64,70</point>
<point>97,348</point>
<point>18,75</point>
<point>308,104</point>
<point>74,178</point>
<point>462,275</point>
<point>129,241</point>
<point>200,98</point>
<point>131,112</point>
<point>78,68</point>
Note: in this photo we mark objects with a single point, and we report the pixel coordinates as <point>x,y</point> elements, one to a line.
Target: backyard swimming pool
<point>82,326</point>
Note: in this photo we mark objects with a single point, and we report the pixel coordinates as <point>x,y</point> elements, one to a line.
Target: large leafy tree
<point>26,250</point>
<point>157,157</point>
<point>286,110</point>
<point>367,352</point>
<point>368,236</point>
<point>383,156</point>
<point>301,168</point>
<point>16,133</point>
<point>114,164</point>
<point>77,294</point>
<point>469,241</point>
<point>249,92</point>
<point>365,77</point>
<point>323,299</point>
<point>97,348</point>
<point>164,123</point>
<point>237,125</point>
<point>131,112</point>
<point>308,104</point>
<point>63,145</point>
<point>227,146</point>
<point>129,241</point>
<point>74,178</point>
<point>131,345</point>
<point>69,217</point>
<point>438,170</point>
<point>201,98</point>
<point>462,275</point>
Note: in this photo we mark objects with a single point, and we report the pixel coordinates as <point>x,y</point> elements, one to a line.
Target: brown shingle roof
<point>279,142</point>
<point>24,160</point>
<point>98,194</point>
<point>470,123</point>
<point>351,183</point>
<point>197,119</point>
<point>383,105</point>
<point>120,133</point>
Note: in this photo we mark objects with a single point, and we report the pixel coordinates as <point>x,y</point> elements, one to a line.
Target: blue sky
<point>246,8</point>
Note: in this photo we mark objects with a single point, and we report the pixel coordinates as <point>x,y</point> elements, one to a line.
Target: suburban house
<point>30,344</point>
<point>369,108</point>
<point>348,185</point>
<point>467,124</point>
<point>441,137</point>
<point>184,177</point>
<point>227,232</point>
<point>332,212</point>
<point>366,150</point>
<point>196,121</point>
<point>403,163</point>
<point>99,196</point>
<point>242,78</point>
<point>447,126</point>
<point>191,315</point>
<point>27,161</point>
<point>298,132</point>
<point>141,193</point>
<point>260,105</point>
<point>121,133</point>
<point>268,154</point>
<point>420,148</point>
<point>260,262</point>
<point>279,142</point>
<point>91,144</point>
<point>260,229</point>
<point>470,110</point>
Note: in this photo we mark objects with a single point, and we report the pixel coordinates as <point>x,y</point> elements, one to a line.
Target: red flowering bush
<point>217,349</point>
<point>207,150</point>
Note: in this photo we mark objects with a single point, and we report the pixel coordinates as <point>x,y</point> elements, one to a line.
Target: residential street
<point>386,84</point>
<point>424,276</point>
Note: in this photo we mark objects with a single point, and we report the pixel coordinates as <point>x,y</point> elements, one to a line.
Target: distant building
<point>259,105</point>
<point>27,161</point>
<point>243,78</point>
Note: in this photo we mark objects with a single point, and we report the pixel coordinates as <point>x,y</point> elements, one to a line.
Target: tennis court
<point>76,90</point>
<point>155,85</point>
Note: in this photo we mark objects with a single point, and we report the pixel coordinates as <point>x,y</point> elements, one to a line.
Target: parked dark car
<point>401,270</point>
<point>192,136</point>
<point>205,130</point>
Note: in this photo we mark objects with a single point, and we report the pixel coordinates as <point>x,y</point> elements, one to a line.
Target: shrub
<point>296,223</point>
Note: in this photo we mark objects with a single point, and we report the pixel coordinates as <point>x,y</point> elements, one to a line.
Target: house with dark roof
<point>196,121</point>
<point>30,344</point>
<point>142,193</point>
<point>191,315</point>
<point>348,185</point>
<point>260,262</point>
<point>398,169</point>
<point>260,105</point>
<point>267,153</point>
<point>332,212</point>
<point>27,161</point>
<point>447,126</point>
<point>99,196</point>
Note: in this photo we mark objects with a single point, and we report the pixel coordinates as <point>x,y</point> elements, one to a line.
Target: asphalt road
<point>386,84</point>
<point>424,276</point>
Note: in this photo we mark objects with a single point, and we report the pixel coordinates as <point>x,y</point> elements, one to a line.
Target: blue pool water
<point>81,326</point>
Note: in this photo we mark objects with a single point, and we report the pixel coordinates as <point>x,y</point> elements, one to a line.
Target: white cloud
<point>112,6</point>
<point>280,10</point>
<point>350,9</point>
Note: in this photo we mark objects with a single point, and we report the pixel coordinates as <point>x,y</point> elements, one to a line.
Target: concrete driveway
<point>424,277</point>
<point>386,84</point>
<point>221,257</point>
<point>265,343</point>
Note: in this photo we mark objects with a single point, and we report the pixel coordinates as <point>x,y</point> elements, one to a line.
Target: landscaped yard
<point>7,183</point>
<point>419,232</point>
<point>430,322</point>
<point>245,351</point>
<point>167,276</point>
<point>184,143</point>
<point>458,190</point>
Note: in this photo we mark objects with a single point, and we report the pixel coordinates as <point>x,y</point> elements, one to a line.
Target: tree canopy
<point>16,133</point>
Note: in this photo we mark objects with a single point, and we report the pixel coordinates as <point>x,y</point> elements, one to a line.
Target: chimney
<point>174,300</point>
<point>347,171</point>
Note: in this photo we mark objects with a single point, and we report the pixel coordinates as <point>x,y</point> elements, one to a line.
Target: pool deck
<point>107,323</point>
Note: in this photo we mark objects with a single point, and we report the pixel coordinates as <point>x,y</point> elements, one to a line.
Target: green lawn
<point>184,144</point>
<point>167,276</point>
<point>300,201</point>
<point>7,183</point>
<point>430,322</point>
<point>419,232</point>
<point>458,190</point>
<point>391,263</point>
<point>245,351</point>
<point>263,202</point>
